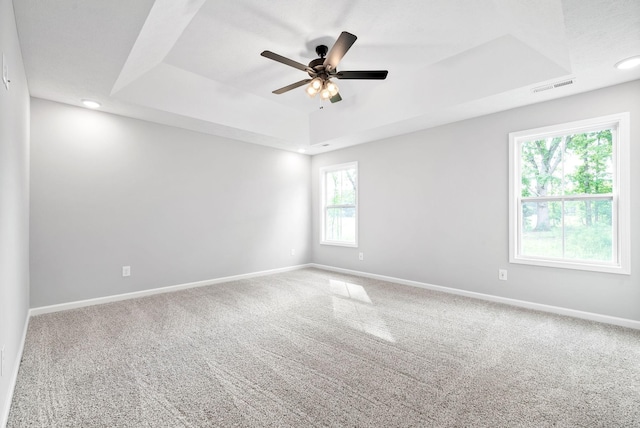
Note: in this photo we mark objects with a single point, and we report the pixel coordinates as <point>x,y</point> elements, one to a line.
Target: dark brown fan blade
<point>335,98</point>
<point>342,45</point>
<point>369,74</point>
<point>287,61</point>
<point>291,86</point>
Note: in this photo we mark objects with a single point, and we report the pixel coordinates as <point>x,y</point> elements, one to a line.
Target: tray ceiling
<point>196,64</point>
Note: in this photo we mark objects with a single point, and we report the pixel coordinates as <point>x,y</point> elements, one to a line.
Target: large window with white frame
<point>569,195</point>
<point>339,204</point>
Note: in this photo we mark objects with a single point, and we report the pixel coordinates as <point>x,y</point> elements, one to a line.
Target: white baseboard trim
<point>624,322</point>
<point>136,294</point>
<point>6,406</point>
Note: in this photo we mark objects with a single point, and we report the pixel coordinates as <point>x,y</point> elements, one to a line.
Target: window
<point>339,193</point>
<point>569,195</point>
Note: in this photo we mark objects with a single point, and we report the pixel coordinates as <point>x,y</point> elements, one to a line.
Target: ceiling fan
<point>322,70</point>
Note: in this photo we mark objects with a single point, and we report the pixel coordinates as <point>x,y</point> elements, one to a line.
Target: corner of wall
<point>14,207</point>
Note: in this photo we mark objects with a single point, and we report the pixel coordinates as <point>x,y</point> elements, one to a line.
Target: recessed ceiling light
<point>302,151</point>
<point>91,104</point>
<point>628,63</point>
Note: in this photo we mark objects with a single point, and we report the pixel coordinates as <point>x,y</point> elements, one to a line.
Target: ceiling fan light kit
<point>314,87</point>
<point>321,70</point>
<point>326,88</point>
<point>331,87</point>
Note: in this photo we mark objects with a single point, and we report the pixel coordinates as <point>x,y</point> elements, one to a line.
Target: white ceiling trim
<point>163,27</point>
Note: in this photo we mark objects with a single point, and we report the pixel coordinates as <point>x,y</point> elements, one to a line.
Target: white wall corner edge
<point>606,319</point>
<point>167,289</point>
<point>6,406</point>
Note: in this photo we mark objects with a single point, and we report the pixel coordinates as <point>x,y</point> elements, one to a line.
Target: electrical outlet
<point>293,251</point>
<point>361,256</point>
<point>126,270</point>
<point>502,274</point>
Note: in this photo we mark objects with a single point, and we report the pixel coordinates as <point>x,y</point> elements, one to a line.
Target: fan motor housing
<point>317,63</point>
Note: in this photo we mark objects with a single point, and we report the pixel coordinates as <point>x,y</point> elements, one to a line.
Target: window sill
<point>340,244</point>
<point>591,267</point>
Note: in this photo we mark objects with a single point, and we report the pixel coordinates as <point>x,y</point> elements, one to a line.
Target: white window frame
<point>324,207</point>
<point>620,197</point>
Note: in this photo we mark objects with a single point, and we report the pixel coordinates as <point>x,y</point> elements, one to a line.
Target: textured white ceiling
<point>196,63</point>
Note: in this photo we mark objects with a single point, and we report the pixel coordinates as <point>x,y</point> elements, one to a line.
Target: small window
<point>569,195</point>
<point>339,193</point>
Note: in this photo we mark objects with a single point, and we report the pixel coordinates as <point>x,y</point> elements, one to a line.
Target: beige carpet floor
<point>313,348</point>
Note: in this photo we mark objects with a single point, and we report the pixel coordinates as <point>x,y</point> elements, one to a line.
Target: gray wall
<point>434,208</point>
<point>14,204</point>
<point>177,206</point>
